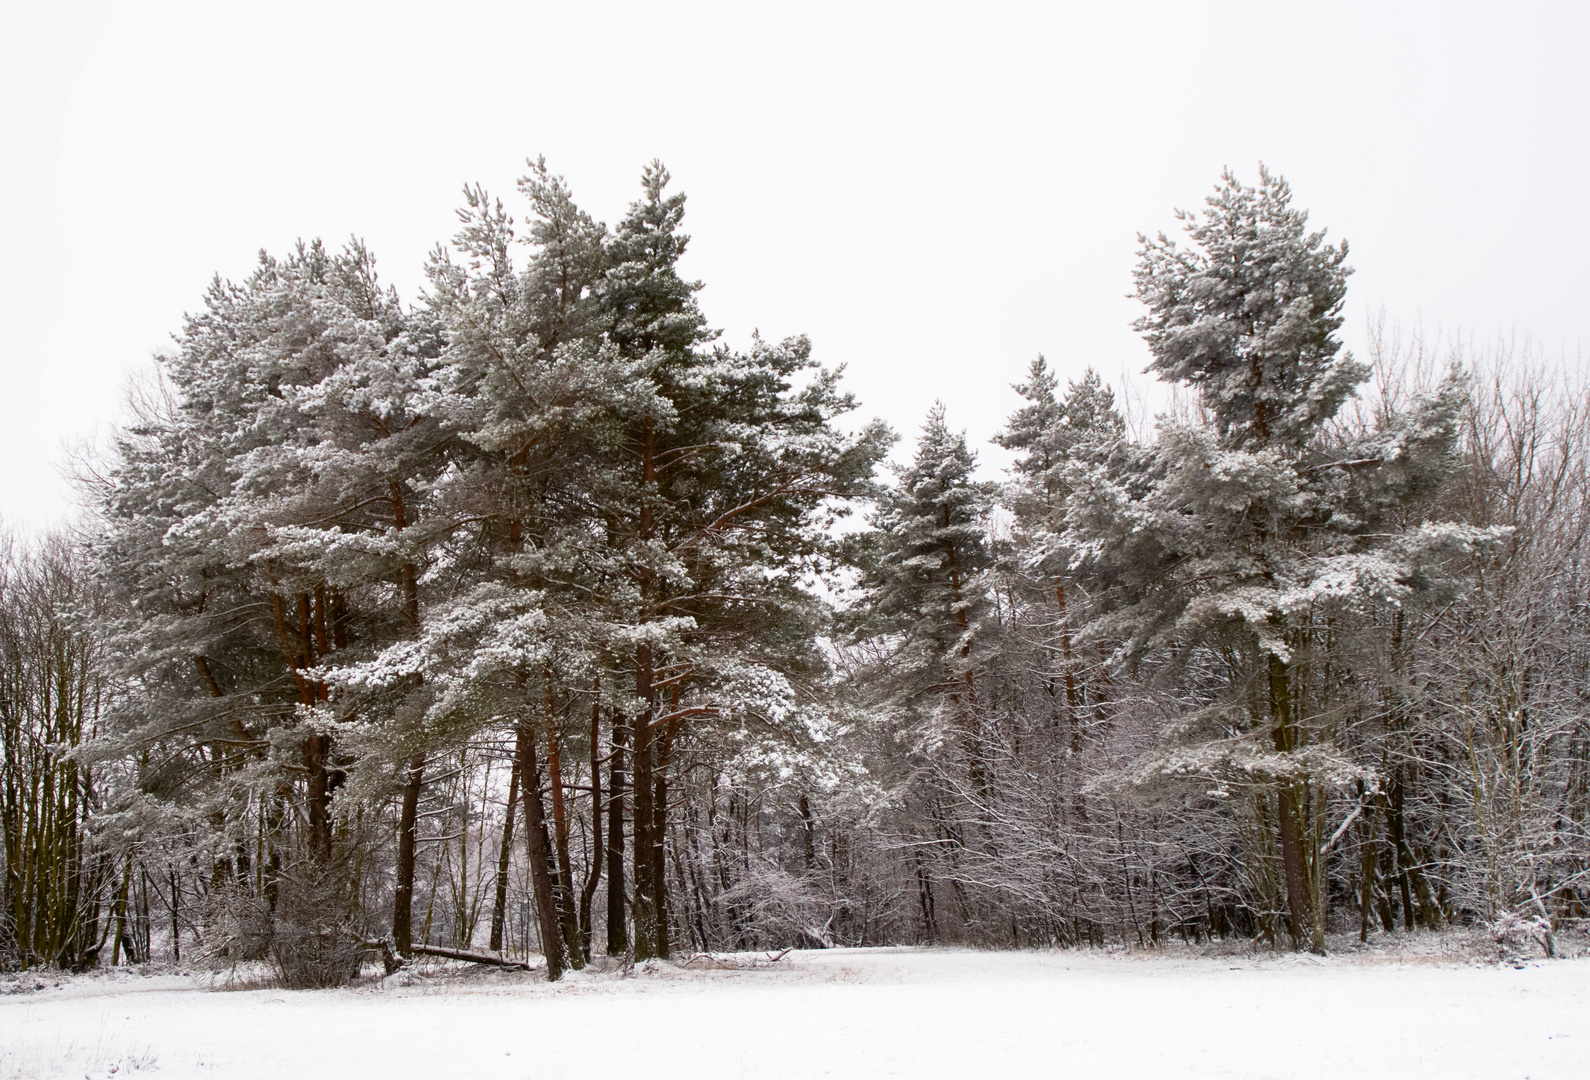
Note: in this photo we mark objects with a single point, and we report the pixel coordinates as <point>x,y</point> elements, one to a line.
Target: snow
<point>841,1013</point>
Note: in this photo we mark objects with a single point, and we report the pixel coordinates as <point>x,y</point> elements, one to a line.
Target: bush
<point>305,936</point>
<point>237,928</point>
<point>312,942</point>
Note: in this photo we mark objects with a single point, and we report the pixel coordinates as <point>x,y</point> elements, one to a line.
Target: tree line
<point>525,618</point>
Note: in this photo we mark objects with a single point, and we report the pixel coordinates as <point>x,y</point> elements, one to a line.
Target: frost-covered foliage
<point>491,623</point>
<point>352,543</point>
<point>1248,315</point>
<point>1255,674</point>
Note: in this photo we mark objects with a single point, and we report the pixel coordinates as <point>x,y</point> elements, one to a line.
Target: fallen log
<point>470,956</point>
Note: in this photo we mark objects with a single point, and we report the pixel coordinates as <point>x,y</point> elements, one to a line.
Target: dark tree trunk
<point>540,854</point>
<point>1288,800</point>
<point>648,928</point>
<point>121,944</point>
<point>403,895</point>
<point>322,637</point>
<point>617,931</point>
<point>1366,869</point>
<point>664,751</point>
<point>408,575</point>
<point>317,748</point>
<point>339,621</point>
<point>1297,908</point>
<point>275,821</point>
<point>176,935</point>
<point>808,834</point>
<point>925,898</point>
<point>1384,902</point>
<point>648,931</point>
<point>1416,899</point>
<point>567,916</point>
<point>659,859</point>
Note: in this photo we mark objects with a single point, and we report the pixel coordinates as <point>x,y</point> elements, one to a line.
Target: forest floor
<point>1436,1008</point>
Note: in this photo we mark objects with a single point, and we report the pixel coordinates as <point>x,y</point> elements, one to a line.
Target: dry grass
<point>102,1058</point>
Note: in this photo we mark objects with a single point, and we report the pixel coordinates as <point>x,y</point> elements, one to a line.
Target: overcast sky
<point>934,193</point>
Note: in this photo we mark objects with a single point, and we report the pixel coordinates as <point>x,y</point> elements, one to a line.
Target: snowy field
<point>885,1012</point>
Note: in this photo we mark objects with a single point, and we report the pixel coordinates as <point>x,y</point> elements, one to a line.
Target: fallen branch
<point>736,961</point>
<point>1337,835</point>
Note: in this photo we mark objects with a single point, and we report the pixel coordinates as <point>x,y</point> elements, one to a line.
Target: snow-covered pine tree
<point>537,401</point>
<point>653,502</point>
<point>255,532</point>
<point>1230,546</point>
<point>737,459</point>
<point>1050,434</point>
<point>964,647</point>
<point>926,606</point>
<point>1048,431</point>
<point>931,548</point>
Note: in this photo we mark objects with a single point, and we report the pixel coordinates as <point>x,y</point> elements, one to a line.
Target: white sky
<point>934,193</point>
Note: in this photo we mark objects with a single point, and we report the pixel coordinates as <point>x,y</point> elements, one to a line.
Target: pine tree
<point>932,540</point>
<point>1249,316</point>
<point>259,531</point>
<point>654,500</point>
<point>1244,537</point>
<point>1054,434</point>
<point>927,597</point>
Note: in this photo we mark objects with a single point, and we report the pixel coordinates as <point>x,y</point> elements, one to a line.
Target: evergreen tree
<point>1249,316</point>
<point>403,607</point>
<point>932,546</point>
<point>652,501</point>
<point>928,604</point>
<point>258,533</point>
<point>1053,436</point>
<point>1049,431</point>
<point>1248,536</point>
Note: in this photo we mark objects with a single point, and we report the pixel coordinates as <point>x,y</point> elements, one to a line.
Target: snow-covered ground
<point>863,1013</point>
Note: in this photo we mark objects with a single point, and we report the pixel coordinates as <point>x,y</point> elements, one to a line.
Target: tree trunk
<point>409,574</point>
<point>499,907</point>
<point>925,898</point>
<point>1297,907</point>
<point>1304,930</point>
<point>176,936</point>
<point>617,930</point>
<point>470,956</point>
<point>648,931</point>
<point>121,917</point>
<point>540,854</point>
<point>567,917</point>
<point>317,748</point>
<point>403,895</point>
<point>808,833</point>
<point>1416,899</point>
<point>594,872</point>
<point>1366,870</point>
<point>659,810</point>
